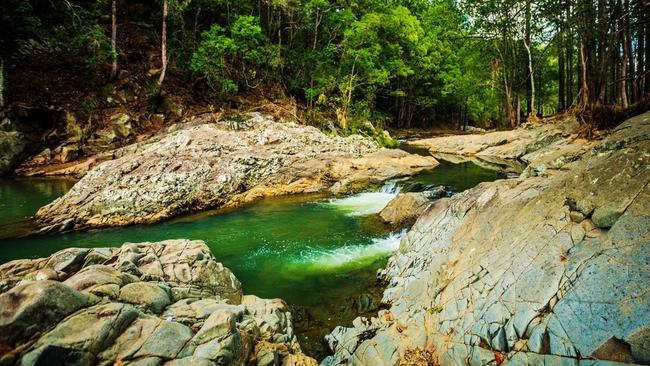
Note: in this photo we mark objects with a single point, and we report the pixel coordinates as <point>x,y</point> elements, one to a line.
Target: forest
<point>397,64</point>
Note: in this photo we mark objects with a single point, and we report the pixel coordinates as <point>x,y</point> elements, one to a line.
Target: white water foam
<point>367,203</point>
<point>351,255</point>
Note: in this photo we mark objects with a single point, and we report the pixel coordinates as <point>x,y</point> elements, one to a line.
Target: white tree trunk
<point>114,39</point>
<point>164,44</point>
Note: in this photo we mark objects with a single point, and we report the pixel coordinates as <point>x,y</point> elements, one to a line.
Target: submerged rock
<point>543,270</point>
<point>205,165</point>
<point>141,304</point>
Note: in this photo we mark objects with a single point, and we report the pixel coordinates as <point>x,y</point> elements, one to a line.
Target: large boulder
<point>35,306</point>
<point>143,304</point>
<point>547,270</point>
<point>205,164</point>
<point>404,209</point>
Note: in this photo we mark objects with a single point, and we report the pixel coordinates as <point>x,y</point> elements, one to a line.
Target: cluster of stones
<point>159,303</point>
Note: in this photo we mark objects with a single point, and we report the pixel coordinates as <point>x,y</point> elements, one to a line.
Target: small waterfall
<point>391,187</point>
<point>366,203</point>
<point>349,255</point>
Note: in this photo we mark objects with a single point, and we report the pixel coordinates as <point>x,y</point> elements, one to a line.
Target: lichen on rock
<point>202,164</point>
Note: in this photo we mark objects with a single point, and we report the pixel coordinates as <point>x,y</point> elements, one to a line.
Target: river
<point>319,254</point>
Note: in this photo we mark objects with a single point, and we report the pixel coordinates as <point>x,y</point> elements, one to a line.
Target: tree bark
<point>639,80</point>
<point>646,87</point>
<point>2,82</point>
<point>626,55</point>
<point>561,71</point>
<point>569,57</point>
<point>584,86</point>
<point>114,39</point>
<point>600,77</point>
<point>163,46</point>
<point>511,119</point>
<point>628,50</point>
<point>530,83</point>
<point>518,110</point>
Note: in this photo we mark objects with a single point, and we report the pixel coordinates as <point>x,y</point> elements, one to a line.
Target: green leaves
<point>231,59</point>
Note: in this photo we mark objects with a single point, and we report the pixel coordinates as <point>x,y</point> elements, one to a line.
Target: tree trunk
<point>624,100</point>
<point>600,82</point>
<point>584,88</point>
<point>561,75</point>
<point>569,58</point>
<point>114,39</point>
<point>613,94</point>
<point>511,119</point>
<point>624,59</point>
<point>163,46</point>
<point>531,83</point>
<point>646,87</point>
<point>2,82</point>
<point>639,55</point>
<point>465,116</point>
<point>628,50</point>
<point>518,110</point>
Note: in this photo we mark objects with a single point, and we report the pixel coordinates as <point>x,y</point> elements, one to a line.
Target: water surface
<point>313,252</point>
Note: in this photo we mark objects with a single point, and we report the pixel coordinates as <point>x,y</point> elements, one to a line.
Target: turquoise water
<point>306,250</point>
<point>20,198</point>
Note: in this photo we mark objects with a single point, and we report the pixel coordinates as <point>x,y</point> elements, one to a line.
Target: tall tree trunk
<point>163,46</point>
<point>646,87</point>
<point>584,86</point>
<point>114,39</point>
<point>639,54</point>
<point>561,71</point>
<point>518,110</point>
<point>624,100</point>
<point>569,57</point>
<point>600,82</point>
<point>591,62</point>
<point>511,117</point>
<point>2,82</point>
<point>530,84</point>
<point>626,55</point>
<point>614,89</point>
<point>628,50</point>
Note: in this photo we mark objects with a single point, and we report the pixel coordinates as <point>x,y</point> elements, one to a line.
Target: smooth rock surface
<point>204,165</point>
<point>509,272</point>
<point>404,209</point>
<point>160,303</point>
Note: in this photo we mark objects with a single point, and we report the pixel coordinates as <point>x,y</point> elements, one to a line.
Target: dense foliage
<point>399,63</point>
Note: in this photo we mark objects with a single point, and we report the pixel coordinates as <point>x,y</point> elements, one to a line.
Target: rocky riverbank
<point>203,164</point>
<point>539,146</point>
<point>550,268</point>
<point>160,303</point>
